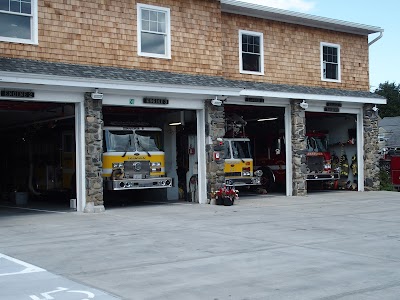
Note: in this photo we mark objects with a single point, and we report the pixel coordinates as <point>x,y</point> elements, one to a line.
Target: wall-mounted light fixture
<point>96,95</point>
<point>304,104</point>
<point>216,102</point>
<point>375,108</point>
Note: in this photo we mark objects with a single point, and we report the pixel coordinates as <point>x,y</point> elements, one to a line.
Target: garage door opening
<point>149,155</point>
<point>264,126</point>
<point>332,150</point>
<point>37,156</point>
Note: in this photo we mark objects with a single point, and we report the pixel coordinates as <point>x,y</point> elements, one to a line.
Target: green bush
<point>386,181</point>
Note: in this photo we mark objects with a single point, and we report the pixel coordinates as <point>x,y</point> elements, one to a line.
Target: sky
<point>384,56</point>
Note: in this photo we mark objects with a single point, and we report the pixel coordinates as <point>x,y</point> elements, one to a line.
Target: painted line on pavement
<point>28,267</point>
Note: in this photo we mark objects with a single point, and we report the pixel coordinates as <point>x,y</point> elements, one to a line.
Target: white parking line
<point>28,267</point>
<point>35,209</point>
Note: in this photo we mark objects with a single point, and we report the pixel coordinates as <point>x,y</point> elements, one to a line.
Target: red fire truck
<point>270,157</point>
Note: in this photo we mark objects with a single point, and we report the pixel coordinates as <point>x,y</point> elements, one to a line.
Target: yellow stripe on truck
<point>236,165</point>
<point>118,157</point>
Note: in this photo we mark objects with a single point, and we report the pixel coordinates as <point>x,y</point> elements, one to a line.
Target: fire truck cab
<point>238,165</point>
<point>319,164</point>
<point>133,159</point>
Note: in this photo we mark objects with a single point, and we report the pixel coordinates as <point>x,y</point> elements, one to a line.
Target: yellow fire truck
<point>133,159</point>
<point>238,165</point>
<point>238,161</point>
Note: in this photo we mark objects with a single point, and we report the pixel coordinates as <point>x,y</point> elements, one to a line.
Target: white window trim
<point>167,29</point>
<point>261,35</point>
<point>34,28</point>
<point>322,62</point>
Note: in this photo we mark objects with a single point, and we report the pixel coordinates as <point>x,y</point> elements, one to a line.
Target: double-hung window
<point>330,62</point>
<point>18,21</point>
<point>251,52</point>
<point>154,36</point>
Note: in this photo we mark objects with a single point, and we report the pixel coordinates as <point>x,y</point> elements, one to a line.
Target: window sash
<point>154,37</point>
<point>19,23</point>
<point>251,52</point>
<point>330,62</point>
<point>19,7</point>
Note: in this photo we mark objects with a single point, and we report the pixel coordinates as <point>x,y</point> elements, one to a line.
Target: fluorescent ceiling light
<point>267,119</point>
<point>175,124</point>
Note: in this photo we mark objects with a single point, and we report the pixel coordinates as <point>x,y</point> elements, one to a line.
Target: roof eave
<point>275,14</point>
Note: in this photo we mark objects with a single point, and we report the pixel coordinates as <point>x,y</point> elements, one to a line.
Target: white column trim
<point>80,156</point>
<point>288,145</point>
<point>360,150</point>
<point>201,156</point>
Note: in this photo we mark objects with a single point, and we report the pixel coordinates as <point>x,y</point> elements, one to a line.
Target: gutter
<point>376,39</point>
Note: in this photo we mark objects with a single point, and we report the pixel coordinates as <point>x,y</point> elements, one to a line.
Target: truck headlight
<point>247,173</point>
<point>117,165</point>
<point>156,164</point>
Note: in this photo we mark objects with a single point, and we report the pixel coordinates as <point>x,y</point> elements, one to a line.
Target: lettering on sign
<point>155,101</point>
<point>17,94</point>
<point>258,100</point>
<point>331,109</point>
<point>335,104</point>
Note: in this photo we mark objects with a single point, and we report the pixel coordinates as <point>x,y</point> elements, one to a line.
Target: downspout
<point>376,39</point>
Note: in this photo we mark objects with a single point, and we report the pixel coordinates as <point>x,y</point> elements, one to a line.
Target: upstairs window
<point>154,36</point>
<point>330,62</point>
<point>18,21</point>
<point>251,52</point>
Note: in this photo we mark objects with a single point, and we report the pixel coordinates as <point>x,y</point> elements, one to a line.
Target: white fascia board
<point>317,97</point>
<point>51,80</point>
<point>276,14</point>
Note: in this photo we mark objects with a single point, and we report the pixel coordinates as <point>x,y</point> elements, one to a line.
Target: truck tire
<point>268,179</point>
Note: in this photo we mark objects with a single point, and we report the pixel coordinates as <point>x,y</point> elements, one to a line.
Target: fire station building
<point>290,82</point>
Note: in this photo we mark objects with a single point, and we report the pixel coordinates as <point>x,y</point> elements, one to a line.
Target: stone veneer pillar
<point>371,148</point>
<point>93,154</point>
<point>215,128</point>
<point>299,167</point>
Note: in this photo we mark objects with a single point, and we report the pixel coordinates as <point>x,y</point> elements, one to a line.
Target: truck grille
<point>315,163</point>
<point>137,169</point>
<point>230,174</point>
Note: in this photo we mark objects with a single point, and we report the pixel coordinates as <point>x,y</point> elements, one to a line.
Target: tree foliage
<point>391,92</point>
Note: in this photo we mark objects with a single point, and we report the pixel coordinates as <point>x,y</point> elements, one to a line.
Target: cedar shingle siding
<point>204,41</point>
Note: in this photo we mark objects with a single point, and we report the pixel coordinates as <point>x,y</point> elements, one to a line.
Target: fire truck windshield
<point>241,149</point>
<point>147,140</point>
<point>131,141</point>
<point>317,144</point>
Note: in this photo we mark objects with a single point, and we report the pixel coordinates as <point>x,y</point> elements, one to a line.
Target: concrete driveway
<point>329,245</point>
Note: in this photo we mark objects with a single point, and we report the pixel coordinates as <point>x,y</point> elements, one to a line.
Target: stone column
<point>93,153</point>
<point>299,167</point>
<point>371,148</point>
<point>215,128</point>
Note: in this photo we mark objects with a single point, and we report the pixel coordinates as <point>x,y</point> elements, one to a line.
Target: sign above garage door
<point>17,94</point>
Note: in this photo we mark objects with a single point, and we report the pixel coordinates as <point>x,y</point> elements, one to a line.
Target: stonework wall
<point>215,127</point>
<point>299,167</point>
<point>105,33</point>
<point>93,154</point>
<point>292,53</point>
<point>371,148</point>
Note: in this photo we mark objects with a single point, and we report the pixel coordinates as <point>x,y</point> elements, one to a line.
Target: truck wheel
<point>268,179</point>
